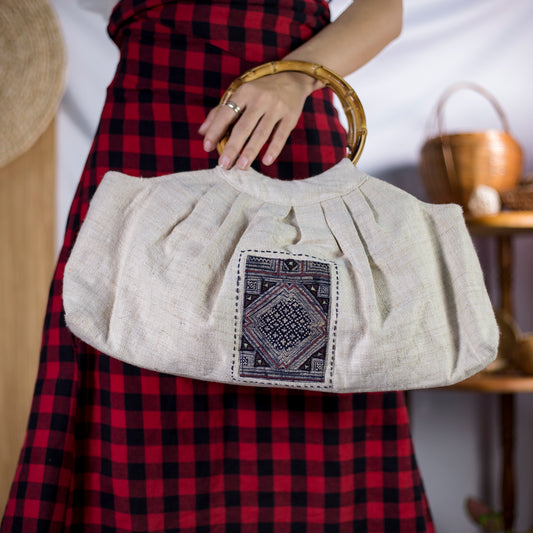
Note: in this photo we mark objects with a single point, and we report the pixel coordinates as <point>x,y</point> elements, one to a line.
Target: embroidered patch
<point>285,319</point>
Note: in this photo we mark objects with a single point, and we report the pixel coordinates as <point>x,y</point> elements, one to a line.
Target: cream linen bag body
<point>339,282</point>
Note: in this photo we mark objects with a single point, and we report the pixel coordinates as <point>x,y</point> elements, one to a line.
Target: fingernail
<point>224,161</point>
<point>208,146</point>
<point>267,160</point>
<point>242,163</point>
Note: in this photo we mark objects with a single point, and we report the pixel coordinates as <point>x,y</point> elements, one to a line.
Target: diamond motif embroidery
<point>285,319</point>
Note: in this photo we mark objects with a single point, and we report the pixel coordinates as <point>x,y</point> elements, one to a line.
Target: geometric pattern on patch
<point>284,333</point>
<point>253,285</point>
<point>285,326</point>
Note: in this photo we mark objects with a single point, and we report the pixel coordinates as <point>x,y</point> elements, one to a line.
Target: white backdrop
<point>489,42</point>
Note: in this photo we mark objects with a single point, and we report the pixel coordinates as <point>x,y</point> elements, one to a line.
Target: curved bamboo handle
<point>351,104</point>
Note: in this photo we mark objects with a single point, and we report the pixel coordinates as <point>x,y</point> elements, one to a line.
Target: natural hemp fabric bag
<point>340,282</point>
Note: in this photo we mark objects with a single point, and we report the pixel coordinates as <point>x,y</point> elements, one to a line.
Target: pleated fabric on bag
<point>234,277</point>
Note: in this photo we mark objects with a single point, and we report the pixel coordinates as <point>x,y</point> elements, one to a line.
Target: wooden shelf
<point>496,383</point>
<point>504,223</point>
<point>503,226</point>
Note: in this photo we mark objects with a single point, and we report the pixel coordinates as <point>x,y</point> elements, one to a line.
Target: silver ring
<point>233,106</point>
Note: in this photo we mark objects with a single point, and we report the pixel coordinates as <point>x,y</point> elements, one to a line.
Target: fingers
<point>250,134</point>
<point>267,128</point>
<point>208,121</point>
<point>251,125</point>
<point>268,111</point>
<point>278,141</point>
<point>215,126</point>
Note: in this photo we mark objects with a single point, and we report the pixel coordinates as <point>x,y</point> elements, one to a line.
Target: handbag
<point>339,282</point>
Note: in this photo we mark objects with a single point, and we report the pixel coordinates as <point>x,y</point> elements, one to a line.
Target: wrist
<point>307,83</point>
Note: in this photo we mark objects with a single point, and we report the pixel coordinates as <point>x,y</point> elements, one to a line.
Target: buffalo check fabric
<point>115,448</point>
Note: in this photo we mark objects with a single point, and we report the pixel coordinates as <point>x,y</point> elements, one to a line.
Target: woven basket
<point>452,165</point>
<point>521,197</point>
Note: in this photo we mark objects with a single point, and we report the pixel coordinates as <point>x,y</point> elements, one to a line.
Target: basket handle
<point>351,104</point>
<point>476,88</point>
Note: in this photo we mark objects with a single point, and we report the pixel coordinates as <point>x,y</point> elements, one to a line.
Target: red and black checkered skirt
<point>114,448</point>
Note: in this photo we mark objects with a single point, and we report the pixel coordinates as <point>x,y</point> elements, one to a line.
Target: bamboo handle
<point>350,102</point>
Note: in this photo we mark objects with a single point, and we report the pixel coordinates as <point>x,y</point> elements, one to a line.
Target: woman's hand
<point>269,109</point>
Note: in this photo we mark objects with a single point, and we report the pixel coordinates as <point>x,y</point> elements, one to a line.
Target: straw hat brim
<point>32,73</point>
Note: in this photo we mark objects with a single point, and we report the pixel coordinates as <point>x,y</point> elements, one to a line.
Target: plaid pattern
<point>114,448</point>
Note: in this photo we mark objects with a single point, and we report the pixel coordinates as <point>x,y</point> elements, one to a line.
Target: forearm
<point>355,37</point>
<point>272,105</point>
